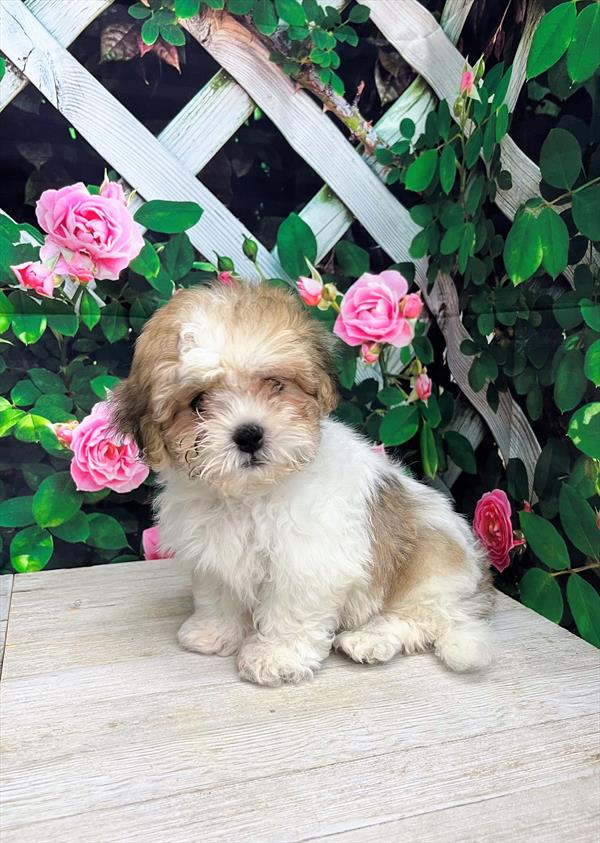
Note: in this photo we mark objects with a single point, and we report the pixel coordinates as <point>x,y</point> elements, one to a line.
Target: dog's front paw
<point>209,636</point>
<point>364,646</point>
<point>275,663</point>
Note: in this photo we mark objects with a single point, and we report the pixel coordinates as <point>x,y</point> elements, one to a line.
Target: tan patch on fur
<point>405,553</point>
<point>261,327</point>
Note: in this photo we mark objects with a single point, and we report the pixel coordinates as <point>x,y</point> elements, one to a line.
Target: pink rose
<point>101,458</point>
<point>379,449</point>
<point>36,277</point>
<point>369,354</point>
<point>411,306</point>
<point>225,277</point>
<point>370,311</point>
<point>76,264</point>
<point>310,290</point>
<point>423,384</point>
<point>467,80</point>
<point>492,527</point>
<point>64,432</point>
<point>113,190</point>
<point>100,227</point>
<point>151,545</point>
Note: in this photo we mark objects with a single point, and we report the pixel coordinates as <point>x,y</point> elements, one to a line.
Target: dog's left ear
<point>325,349</point>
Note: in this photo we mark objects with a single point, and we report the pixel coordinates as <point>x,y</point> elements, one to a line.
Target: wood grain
<point>6,584</point>
<point>149,743</point>
<point>64,27</point>
<point>118,137</point>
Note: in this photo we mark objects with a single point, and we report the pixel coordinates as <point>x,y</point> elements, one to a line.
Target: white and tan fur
<point>312,541</point>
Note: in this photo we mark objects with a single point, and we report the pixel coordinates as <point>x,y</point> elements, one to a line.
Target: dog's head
<point>229,384</point>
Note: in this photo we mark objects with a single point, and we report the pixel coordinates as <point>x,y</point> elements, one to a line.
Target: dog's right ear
<point>132,415</point>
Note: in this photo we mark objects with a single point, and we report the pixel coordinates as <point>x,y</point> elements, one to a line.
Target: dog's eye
<point>197,401</point>
<point>276,385</point>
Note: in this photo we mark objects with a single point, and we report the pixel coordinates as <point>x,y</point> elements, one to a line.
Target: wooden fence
<point>35,36</point>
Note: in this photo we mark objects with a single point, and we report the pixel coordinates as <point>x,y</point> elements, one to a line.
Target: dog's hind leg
<point>425,618</point>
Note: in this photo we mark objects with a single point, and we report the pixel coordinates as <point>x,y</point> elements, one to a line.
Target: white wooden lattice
<point>35,34</point>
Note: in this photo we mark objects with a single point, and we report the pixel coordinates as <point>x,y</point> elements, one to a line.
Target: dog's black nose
<point>248,437</point>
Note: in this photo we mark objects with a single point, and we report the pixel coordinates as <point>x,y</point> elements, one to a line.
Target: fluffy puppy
<point>302,537</point>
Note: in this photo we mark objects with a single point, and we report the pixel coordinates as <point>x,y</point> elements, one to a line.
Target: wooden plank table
<point>112,733</point>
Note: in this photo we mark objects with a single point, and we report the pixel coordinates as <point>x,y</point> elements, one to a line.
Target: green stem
<point>572,192</point>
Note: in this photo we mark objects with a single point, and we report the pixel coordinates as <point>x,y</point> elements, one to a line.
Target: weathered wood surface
<point>65,28</point>
<point>117,136</point>
<point>6,584</point>
<point>111,732</point>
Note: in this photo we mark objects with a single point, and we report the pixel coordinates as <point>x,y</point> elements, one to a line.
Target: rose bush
<point>528,302</point>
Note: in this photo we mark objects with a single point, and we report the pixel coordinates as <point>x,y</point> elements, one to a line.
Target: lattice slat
<point>118,137</point>
<point>64,27</point>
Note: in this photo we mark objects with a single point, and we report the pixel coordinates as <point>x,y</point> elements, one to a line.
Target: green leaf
<point>555,242</point>
<point>61,317</point>
<point>584,603</point>
<point>139,12</point>
<point>570,382</point>
<point>346,366</point>
<point>591,365</point>
<point>447,168</point>
<point>551,38</point>
<point>186,8</point>
<point>591,314</point>
<point>239,7</point>
<point>105,532</point>
<point>390,397</point>
<point>586,211</point>
<point>359,14</point>
<point>579,521</point>
<point>523,247</point>
<point>56,500</point>
<point>291,12</point>
<point>423,349</point>
<point>149,31</point>
<point>9,416</point>
<point>265,19</point>
<point>540,592</point>
<point>114,322</point>
<point>46,381</point>
<point>178,256</point>
<point>399,425</point>
<point>584,429</point>
<point>147,262</point>
<point>28,320</point>
<point>6,310</point>
<point>55,407</point>
<point>461,451</point>
<point>420,174</point>
<point>429,452</point>
<point>172,34</point>
<point>102,385</point>
<point>351,259</point>
<point>76,529</point>
<point>16,512</point>
<point>349,414</point>
<point>24,393</point>
<point>30,550</point>
<point>295,244</point>
<point>583,55</point>
<point>560,159</point>
<point>89,310</point>
<point>29,428</point>
<point>516,480</point>
<point>168,217</point>
<point>33,474</point>
<point>545,541</point>
<point>407,127</point>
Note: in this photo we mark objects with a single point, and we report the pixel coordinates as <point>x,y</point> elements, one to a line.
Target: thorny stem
<point>574,570</point>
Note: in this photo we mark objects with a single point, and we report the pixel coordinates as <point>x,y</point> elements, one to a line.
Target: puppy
<point>302,537</point>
